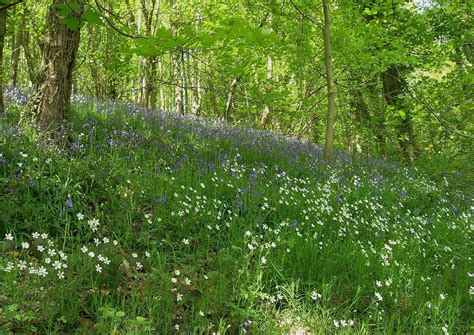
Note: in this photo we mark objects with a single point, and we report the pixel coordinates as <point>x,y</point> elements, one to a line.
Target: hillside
<point>139,221</point>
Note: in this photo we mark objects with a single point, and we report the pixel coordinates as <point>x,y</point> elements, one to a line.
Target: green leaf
<point>71,22</point>
<point>141,320</point>
<point>92,16</point>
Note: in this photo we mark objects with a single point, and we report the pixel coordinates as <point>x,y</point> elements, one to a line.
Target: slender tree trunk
<point>196,89</point>
<point>30,63</point>
<point>3,31</point>
<point>175,63</point>
<point>51,103</point>
<point>184,85</point>
<point>328,144</point>
<point>16,52</point>
<point>231,98</point>
<point>178,90</point>
<point>393,86</point>
<point>213,98</point>
<point>162,93</point>
<point>266,109</point>
<point>151,84</point>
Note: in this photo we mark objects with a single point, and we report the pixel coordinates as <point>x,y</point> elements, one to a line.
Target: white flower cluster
<point>343,323</point>
<point>101,259</point>
<point>39,257</point>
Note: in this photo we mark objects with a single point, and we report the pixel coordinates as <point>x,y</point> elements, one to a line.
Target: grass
<point>173,224</point>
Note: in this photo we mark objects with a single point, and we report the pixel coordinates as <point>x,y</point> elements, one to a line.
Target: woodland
<point>236,166</point>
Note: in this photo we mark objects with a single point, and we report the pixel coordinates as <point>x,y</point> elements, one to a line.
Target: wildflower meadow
<point>147,222</point>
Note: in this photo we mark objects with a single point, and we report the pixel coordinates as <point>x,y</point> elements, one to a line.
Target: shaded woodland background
<point>402,69</point>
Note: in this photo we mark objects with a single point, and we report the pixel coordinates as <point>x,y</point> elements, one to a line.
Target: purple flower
<point>68,202</point>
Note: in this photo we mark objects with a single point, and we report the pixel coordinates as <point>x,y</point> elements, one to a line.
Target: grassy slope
<point>222,229</point>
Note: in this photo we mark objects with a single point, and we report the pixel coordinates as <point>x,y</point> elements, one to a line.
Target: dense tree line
<point>402,69</point>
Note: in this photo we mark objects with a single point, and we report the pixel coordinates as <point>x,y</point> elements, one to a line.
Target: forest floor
<point>148,222</point>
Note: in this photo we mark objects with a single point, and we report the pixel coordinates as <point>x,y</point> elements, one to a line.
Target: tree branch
<point>11,4</point>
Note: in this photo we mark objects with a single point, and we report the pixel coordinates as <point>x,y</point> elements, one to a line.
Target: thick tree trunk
<point>18,42</point>
<point>51,104</point>
<point>328,144</point>
<point>393,87</point>
<point>149,82</point>
<point>3,31</point>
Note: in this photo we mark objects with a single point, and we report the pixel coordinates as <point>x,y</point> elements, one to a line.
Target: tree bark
<point>268,89</point>
<point>393,86</point>
<point>178,90</point>
<point>213,98</point>
<point>3,31</point>
<point>149,82</point>
<point>30,63</point>
<point>18,42</point>
<point>162,93</point>
<point>231,98</point>
<point>175,62</point>
<point>51,104</point>
<point>328,144</point>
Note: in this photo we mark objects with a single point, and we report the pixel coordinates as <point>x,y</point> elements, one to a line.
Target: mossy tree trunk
<point>51,104</point>
<point>393,87</point>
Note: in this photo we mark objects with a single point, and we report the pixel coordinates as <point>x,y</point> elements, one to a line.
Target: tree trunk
<point>328,144</point>
<point>16,52</point>
<point>393,86</point>
<point>213,98</point>
<point>51,103</point>
<point>196,90</point>
<point>3,31</point>
<point>231,97</point>
<point>178,90</point>
<point>268,89</point>
<point>30,63</point>
<point>162,93</point>
<point>149,82</point>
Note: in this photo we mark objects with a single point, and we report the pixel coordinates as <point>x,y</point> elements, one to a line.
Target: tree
<point>331,88</point>
<point>394,89</point>
<point>17,44</point>
<point>51,102</point>
<point>4,5</point>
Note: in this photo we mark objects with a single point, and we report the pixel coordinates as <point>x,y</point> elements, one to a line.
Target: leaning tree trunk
<point>393,87</point>
<point>328,144</point>
<point>51,104</point>
<point>3,31</point>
